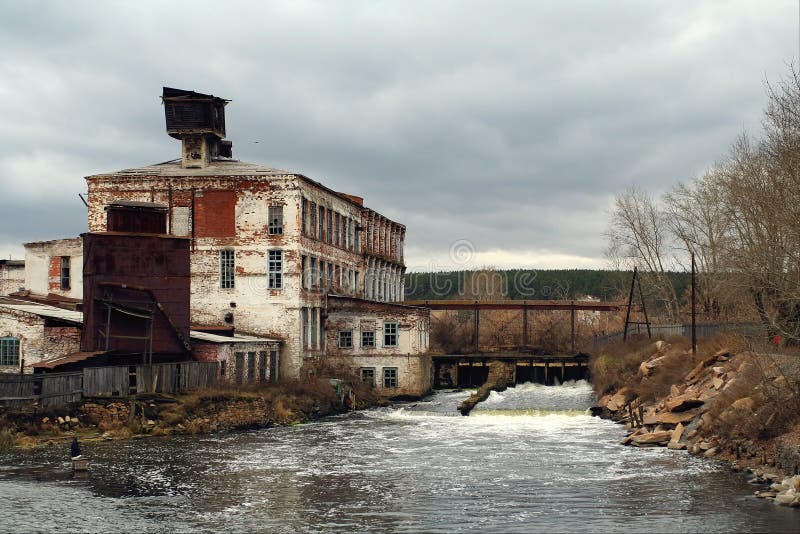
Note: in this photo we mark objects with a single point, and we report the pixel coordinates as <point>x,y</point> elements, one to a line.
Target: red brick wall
<point>54,274</point>
<point>215,214</point>
<point>61,340</point>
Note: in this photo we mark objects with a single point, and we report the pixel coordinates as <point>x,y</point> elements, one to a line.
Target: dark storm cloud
<point>509,124</point>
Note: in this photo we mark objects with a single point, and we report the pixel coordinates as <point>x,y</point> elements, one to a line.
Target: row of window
<point>319,274</point>
<point>253,366</point>
<point>368,337</point>
<point>227,269</point>
<point>329,226</point>
<point>390,376</point>
<point>9,351</point>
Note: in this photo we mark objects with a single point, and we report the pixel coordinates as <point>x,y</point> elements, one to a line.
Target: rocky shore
<point>738,407</point>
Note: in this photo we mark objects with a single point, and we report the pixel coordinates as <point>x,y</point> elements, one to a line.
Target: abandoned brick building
<point>276,254</point>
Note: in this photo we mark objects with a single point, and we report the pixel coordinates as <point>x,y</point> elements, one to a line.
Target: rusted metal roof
<point>69,358</point>
<point>236,338</point>
<point>136,204</point>
<point>43,310</point>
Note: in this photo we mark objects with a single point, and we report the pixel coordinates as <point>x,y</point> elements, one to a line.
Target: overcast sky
<point>497,132</point>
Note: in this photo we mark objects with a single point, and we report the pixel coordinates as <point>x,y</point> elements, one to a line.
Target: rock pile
<point>690,416</point>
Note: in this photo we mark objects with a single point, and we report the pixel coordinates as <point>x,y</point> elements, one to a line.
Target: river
<point>529,459</point>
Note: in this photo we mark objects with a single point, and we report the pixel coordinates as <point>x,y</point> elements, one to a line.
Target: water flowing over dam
<point>529,459</point>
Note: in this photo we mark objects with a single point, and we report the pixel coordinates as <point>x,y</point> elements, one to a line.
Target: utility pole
<point>694,312</point>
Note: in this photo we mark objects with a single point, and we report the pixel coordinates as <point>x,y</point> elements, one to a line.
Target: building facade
<point>268,247</point>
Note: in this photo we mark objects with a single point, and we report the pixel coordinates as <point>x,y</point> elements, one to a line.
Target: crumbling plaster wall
<point>43,267</point>
<point>29,329</point>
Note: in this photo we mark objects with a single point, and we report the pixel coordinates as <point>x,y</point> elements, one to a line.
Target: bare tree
<point>696,215</point>
<point>639,236</point>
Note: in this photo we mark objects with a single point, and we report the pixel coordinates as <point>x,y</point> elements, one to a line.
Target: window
<point>368,339</point>
<point>330,227</point>
<point>368,375</point>
<point>226,269</point>
<point>321,234</point>
<point>389,334</point>
<point>275,215</point>
<point>329,278</point>
<point>350,234</point>
<point>262,366</point>
<point>251,366</point>
<point>356,231</point>
<point>304,319</point>
<point>345,339</point>
<point>313,222</point>
<point>304,215</point>
<point>303,273</point>
<point>390,377</point>
<point>336,229</point>
<point>275,269</point>
<point>312,281</point>
<point>64,272</point>
<point>9,351</point>
<point>314,328</point>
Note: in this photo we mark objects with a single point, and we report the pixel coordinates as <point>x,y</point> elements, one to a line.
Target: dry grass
<point>618,364</point>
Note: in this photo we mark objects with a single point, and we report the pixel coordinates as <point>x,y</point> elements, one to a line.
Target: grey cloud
<point>512,124</point>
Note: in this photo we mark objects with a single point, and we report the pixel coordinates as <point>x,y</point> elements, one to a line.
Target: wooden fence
<point>56,390</point>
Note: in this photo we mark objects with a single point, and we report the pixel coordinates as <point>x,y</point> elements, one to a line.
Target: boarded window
<point>180,221</point>
<point>215,214</point>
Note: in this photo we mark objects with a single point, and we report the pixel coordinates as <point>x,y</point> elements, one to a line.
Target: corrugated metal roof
<point>42,310</point>
<point>236,338</point>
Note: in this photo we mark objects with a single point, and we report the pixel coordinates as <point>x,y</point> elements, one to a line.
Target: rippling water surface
<point>528,459</point>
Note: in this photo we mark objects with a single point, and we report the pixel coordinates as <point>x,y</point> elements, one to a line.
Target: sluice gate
<point>472,370</point>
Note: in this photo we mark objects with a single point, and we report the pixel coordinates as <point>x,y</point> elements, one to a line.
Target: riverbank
<point>725,402</point>
<point>215,410</point>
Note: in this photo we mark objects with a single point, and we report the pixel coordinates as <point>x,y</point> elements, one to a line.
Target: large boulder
<point>681,403</point>
<point>652,438</point>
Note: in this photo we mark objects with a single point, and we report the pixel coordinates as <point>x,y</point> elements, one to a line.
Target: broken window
<point>275,269</point>
<point>304,319</point>
<point>9,351</point>
<point>390,334</point>
<point>238,358</point>
<point>64,272</point>
<point>262,366</point>
<point>368,375</point>
<point>226,269</point>
<point>275,215</point>
<point>336,229</point>
<point>273,365</point>
<point>345,339</point>
<point>330,227</point>
<point>368,339</point>
<point>390,377</point>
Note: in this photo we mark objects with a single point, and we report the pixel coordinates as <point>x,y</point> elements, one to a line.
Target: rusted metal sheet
<point>136,293</point>
<point>136,217</point>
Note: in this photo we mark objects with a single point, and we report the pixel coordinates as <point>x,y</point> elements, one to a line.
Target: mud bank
<point>202,412</point>
<point>735,406</point>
